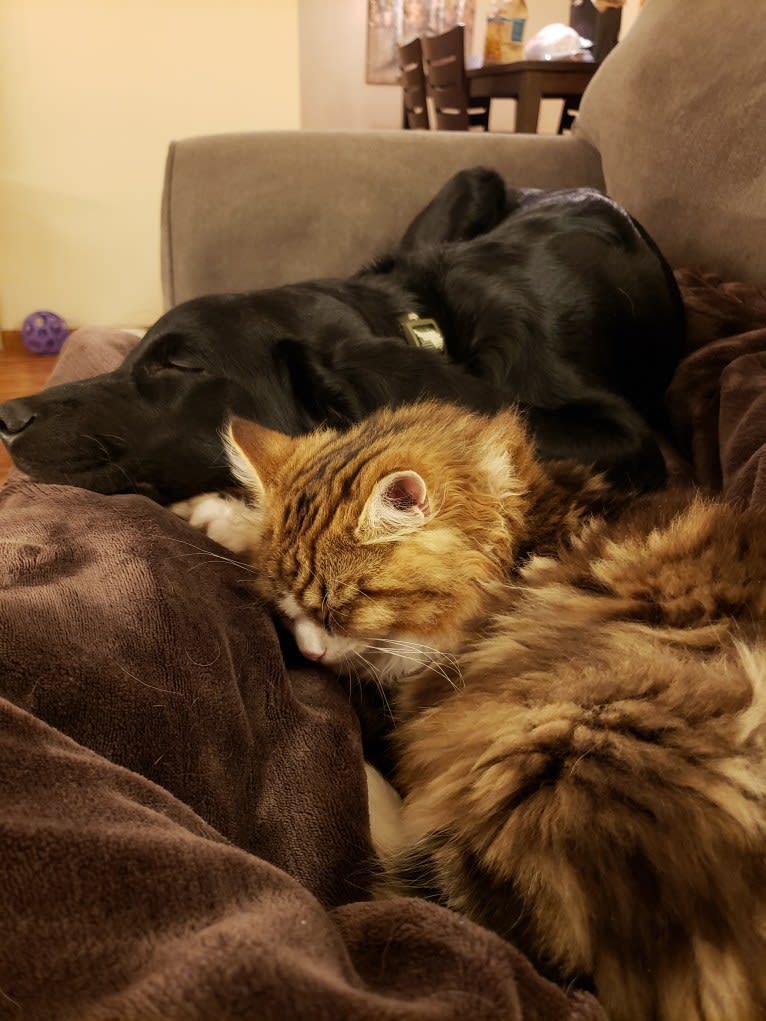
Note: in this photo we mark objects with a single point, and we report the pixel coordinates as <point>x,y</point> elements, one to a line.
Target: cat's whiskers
<point>422,647</point>
<point>375,676</point>
<point>201,551</point>
<point>355,676</point>
<point>419,660</point>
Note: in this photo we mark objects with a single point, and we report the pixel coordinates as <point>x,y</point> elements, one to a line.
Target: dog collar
<point>421,332</point>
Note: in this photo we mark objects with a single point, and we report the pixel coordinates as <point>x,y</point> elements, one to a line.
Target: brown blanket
<point>717,399</point>
<point>183,828</point>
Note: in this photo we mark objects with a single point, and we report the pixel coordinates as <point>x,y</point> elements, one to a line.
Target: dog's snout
<point>15,417</point>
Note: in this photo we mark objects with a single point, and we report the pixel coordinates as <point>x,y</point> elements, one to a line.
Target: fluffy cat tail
<point>620,843</point>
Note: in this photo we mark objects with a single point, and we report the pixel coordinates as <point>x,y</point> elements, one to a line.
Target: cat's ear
<point>254,452</point>
<point>398,504</point>
<point>504,454</point>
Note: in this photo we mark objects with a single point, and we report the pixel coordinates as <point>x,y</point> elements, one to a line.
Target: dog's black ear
<point>470,203</point>
<point>324,395</point>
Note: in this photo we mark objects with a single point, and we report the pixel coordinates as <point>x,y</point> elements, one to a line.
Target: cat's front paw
<point>223,519</point>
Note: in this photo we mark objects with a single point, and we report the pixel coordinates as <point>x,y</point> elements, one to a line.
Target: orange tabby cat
<point>580,702</point>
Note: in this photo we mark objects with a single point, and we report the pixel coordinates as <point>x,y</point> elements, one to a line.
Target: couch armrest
<point>254,210</point>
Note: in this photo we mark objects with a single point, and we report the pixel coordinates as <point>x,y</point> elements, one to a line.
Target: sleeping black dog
<point>557,301</point>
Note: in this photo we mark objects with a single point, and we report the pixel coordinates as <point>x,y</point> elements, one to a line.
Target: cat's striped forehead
<point>444,444</point>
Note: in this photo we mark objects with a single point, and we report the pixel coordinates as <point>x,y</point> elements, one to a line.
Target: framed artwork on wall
<point>390,23</point>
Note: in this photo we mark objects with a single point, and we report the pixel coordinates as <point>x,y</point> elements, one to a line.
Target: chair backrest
<point>413,81</point>
<point>602,28</point>
<point>444,67</point>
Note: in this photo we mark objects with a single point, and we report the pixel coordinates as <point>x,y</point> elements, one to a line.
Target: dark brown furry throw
<point>717,399</point>
<point>182,815</point>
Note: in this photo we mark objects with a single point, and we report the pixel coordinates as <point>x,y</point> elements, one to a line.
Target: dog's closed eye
<point>173,363</point>
<point>181,365</point>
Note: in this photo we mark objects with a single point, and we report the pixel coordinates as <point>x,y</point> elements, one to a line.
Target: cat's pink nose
<point>310,638</point>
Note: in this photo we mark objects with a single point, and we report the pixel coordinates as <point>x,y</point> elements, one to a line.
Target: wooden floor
<point>21,373</point>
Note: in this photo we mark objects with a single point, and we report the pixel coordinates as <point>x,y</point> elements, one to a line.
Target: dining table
<point>529,82</point>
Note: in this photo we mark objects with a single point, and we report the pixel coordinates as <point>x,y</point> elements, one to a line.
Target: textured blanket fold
<point>120,902</point>
<point>182,816</point>
<point>124,629</point>
<point>717,399</point>
<point>183,821</point>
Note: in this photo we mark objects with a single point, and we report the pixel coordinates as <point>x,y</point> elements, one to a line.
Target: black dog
<point>556,301</point>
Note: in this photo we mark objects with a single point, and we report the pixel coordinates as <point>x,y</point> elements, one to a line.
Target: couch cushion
<point>676,113</point>
<point>264,208</point>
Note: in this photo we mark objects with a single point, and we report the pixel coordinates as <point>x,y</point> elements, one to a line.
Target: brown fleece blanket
<point>183,822</point>
<point>717,399</point>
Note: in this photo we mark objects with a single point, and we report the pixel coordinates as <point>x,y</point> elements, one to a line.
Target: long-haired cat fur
<point>580,696</point>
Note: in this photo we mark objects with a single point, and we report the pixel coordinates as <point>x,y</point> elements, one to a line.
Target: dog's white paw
<point>223,519</point>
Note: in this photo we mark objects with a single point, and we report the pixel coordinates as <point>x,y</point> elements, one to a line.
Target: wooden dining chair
<point>444,68</point>
<point>601,27</point>
<point>413,82</point>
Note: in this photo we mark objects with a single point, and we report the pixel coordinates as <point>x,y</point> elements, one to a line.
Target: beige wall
<point>91,92</point>
<point>333,46</point>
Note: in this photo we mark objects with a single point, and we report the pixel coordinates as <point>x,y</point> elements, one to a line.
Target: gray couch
<point>671,127</point>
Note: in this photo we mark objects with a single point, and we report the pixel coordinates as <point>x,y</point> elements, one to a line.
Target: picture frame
<point>391,23</point>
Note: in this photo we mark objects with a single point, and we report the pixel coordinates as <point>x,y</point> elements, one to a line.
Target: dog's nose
<point>15,417</point>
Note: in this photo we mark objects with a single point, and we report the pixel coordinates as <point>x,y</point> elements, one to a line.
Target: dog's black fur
<point>556,301</point>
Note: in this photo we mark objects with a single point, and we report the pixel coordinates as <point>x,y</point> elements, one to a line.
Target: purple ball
<point>43,333</point>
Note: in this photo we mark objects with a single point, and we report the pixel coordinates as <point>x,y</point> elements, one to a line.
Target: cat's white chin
<point>370,661</point>
<point>314,642</point>
<point>387,668</point>
<point>356,659</point>
<point>384,660</point>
